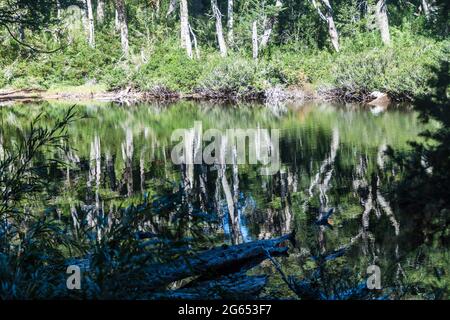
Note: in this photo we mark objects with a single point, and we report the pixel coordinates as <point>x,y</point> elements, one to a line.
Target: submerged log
<point>214,263</point>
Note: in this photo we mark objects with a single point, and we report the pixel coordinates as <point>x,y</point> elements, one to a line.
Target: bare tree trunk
<point>185,34</point>
<point>194,42</point>
<point>428,7</point>
<point>425,8</point>
<point>58,9</point>
<point>116,20</point>
<point>269,26</point>
<point>123,26</point>
<point>328,17</point>
<point>230,22</point>
<point>100,11</point>
<point>219,30</point>
<point>382,21</point>
<point>90,21</point>
<point>255,40</point>
<point>172,7</point>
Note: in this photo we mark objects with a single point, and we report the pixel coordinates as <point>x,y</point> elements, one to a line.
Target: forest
<point>349,96</point>
<point>343,49</point>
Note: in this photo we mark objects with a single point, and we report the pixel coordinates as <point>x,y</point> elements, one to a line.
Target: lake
<point>331,160</point>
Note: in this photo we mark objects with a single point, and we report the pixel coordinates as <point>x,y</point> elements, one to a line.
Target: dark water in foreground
<point>332,157</point>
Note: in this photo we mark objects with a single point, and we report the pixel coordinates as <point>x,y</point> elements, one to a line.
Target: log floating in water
<point>217,262</point>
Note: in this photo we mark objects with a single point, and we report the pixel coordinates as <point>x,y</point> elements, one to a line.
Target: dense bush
<point>240,75</point>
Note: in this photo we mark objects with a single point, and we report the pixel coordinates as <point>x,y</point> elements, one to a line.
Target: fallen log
<point>236,286</point>
<point>214,263</point>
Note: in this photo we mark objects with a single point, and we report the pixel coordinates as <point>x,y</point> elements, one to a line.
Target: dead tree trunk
<point>219,31</point>
<point>90,22</point>
<point>328,17</point>
<point>100,11</point>
<point>185,34</point>
<point>230,22</point>
<point>255,40</point>
<point>123,26</point>
<point>269,26</point>
<point>382,21</point>
<point>217,262</point>
<point>171,8</point>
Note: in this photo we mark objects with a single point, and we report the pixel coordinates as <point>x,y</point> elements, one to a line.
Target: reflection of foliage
<point>424,191</point>
<point>30,244</point>
<point>35,248</point>
<point>424,194</point>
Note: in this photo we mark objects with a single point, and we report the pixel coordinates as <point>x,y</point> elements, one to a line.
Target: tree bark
<point>255,40</point>
<point>230,22</point>
<point>382,21</point>
<point>428,7</point>
<point>90,22</point>
<point>123,26</point>
<point>328,17</point>
<point>217,261</point>
<point>186,42</point>
<point>101,11</point>
<point>172,7</point>
<point>219,31</point>
<point>269,26</point>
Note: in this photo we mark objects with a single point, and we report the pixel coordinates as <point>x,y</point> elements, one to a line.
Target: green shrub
<point>402,69</point>
<point>235,74</point>
<point>170,68</point>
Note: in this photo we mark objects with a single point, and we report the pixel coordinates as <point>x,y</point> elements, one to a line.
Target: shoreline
<point>129,96</point>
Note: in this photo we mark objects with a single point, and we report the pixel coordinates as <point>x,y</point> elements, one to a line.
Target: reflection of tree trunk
<point>110,169</point>
<point>233,215</point>
<point>2,149</point>
<point>285,203</point>
<point>363,189</point>
<point>323,176</point>
<point>203,180</point>
<point>235,181</point>
<point>381,201</point>
<point>94,178</point>
<point>127,153</point>
<point>142,171</point>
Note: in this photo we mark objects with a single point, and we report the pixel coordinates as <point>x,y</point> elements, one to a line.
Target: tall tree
<point>185,33</point>
<point>219,31</point>
<point>171,8</point>
<point>90,23</point>
<point>328,17</point>
<point>100,11</point>
<point>230,21</point>
<point>382,21</point>
<point>270,25</point>
<point>123,26</point>
<point>255,39</point>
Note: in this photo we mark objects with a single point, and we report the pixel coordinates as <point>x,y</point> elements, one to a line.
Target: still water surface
<point>332,157</point>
